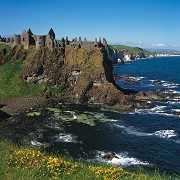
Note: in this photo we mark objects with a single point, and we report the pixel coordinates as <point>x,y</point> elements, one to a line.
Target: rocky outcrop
<point>123,55</point>
<point>80,75</point>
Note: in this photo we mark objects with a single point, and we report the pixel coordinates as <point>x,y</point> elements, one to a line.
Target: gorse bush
<point>30,163</point>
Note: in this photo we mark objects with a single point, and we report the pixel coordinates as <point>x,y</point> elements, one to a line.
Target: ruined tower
<point>50,39</point>
<point>66,41</point>
<point>40,41</point>
<point>51,33</point>
<point>27,38</point>
<point>17,39</point>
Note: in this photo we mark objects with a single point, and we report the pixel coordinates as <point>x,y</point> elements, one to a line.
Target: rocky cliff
<point>121,53</point>
<point>79,75</point>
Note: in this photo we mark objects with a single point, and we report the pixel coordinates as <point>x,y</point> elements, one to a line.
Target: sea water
<point>147,137</point>
<point>142,137</point>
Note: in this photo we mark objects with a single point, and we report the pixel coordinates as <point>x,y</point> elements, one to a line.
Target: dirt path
<point>17,106</point>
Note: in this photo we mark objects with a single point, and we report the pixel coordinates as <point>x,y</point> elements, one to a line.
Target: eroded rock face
<point>80,75</point>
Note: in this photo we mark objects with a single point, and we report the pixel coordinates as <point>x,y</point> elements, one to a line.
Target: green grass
<point>131,49</point>
<point>32,163</point>
<point>12,83</point>
<point>4,45</point>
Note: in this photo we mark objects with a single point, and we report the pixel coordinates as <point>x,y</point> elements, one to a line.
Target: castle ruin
<point>27,39</point>
<point>6,39</point>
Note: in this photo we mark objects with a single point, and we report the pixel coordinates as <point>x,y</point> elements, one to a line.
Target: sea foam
<point>119,159</point>
<point>165,133</point>
<point>63,138</point>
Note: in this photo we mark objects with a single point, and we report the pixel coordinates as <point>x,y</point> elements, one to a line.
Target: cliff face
<point>80,75</point>
<point>121,53</point>
<point>90,78</point>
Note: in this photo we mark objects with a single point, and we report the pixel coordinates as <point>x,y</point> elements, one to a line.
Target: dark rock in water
<point>110,156</point>
<point>3,115</point>
<point>157,82</point>
<point>131,81</point>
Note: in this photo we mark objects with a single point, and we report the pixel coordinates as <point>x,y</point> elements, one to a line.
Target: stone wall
<point>29,39</point>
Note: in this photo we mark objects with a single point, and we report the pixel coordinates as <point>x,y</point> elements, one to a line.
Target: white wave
<point>118,159</point>
<point>36,143</point>
<point>132,130</point>
<point>176,110</point>
<point>172,91</point>
<point>155,110</point>
<point>169,85</point>
<point>177,98</point>
<point>161,133</point>
<point>173,102</point>
<point>159,110</point>
<point>136,78</point>
<point>113,120</point>
<point>162,81</point>
<point>165,83</point>
<point>165,133</point>
<point>63,138</point>
<point>74,116</point>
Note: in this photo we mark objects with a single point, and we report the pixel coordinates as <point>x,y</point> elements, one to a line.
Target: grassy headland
<point>134,50</point>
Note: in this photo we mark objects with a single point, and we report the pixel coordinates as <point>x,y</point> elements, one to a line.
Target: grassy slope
<point>4,45</point>
<point>13,85</point>
<point>30,163</point>
<point>134,50</point>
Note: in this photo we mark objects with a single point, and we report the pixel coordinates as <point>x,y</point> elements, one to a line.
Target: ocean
<point>144,137</point>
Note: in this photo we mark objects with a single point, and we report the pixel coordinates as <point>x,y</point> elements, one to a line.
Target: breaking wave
<point>63,138</point>
<point>117,159</point>
<point>165,133</point>
<point>159,110</point>
<point>161,133</point>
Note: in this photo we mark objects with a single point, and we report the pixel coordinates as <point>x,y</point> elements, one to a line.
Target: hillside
<point>5,45</point>
<point>74,75</point>
<point>134,50</point>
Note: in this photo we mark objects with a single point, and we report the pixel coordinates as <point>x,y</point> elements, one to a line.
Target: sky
<point>143,23</point>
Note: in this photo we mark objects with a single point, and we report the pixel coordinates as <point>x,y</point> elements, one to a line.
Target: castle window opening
<point>23,39</point>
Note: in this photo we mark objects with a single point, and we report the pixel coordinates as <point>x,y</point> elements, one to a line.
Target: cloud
<point>159,45</point>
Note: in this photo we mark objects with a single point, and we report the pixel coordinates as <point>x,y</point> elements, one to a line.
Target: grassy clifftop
<point>12,83</point>
<point>5,45</point>
<point>76,75</point>
<point>82,75</point>
<point>134,50</point>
